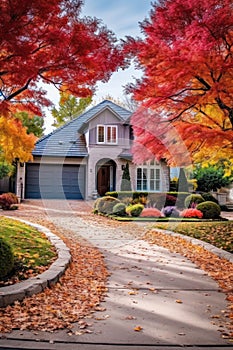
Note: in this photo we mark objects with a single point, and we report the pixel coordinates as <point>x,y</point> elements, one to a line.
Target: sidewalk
<point>155,300</point>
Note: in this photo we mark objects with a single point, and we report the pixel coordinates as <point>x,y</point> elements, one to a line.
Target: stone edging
<point>37,284</point>
<point>211,248</point>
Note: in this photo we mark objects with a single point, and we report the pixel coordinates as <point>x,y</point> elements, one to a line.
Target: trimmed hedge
<point>154,199</point>
<point>123,194</point>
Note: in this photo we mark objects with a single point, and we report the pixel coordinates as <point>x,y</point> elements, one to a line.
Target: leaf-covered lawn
<point>78,293</point>
<point>220,234</point>
<point>32,250</point>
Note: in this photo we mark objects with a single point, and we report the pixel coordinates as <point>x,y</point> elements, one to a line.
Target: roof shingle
<point>66,141</point>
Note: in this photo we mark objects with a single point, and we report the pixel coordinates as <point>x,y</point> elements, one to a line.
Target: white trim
<point>146,179</point>
<point>105,127</point>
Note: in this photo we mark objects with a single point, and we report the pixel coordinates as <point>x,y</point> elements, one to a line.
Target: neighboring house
<point>87,155</point>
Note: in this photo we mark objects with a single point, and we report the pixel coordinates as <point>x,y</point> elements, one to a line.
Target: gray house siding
<point>69,163</point>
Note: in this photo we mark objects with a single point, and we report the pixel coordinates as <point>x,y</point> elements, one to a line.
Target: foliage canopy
<point>186,91</point>
<point>49,42</point>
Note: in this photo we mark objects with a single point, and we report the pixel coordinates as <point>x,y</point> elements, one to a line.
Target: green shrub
<point>208,197</point>
<point>7,200</point>
<point>209,209</point>
<point>192,200</point>
<point>6,258</point>
<point>119,209</point>
<point>135,209</point>
<point>105,205</point>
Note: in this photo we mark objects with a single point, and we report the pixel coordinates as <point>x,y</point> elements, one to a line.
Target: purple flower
<point>170,211</point>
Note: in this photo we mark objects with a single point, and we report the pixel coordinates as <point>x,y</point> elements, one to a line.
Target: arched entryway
<point>105,176</point>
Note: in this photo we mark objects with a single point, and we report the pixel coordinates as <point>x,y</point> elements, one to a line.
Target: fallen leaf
<point>138,329</point>
<point>178,301</point>
<point>132,292</point>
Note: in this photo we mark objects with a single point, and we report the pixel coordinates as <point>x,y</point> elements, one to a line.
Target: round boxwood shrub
<point>119,209</point>
<point>193,199</point>
<point>135,209</point>
<point>209,209</point>
<point>105,204</point>
<point>6,258</point>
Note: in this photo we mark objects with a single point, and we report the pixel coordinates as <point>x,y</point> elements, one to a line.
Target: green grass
<point>220,234</point>
<point>31,248</point>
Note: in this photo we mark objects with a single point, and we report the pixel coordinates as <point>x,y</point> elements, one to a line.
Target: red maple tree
<point>49,41</point>
<point>186,91</point>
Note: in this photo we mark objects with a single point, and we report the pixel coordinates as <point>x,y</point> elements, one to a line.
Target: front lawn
<point>31,248</point>
<point>220,234</point>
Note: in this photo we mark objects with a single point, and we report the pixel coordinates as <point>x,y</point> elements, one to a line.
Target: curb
<point>37,284</point>
<point>211,248</point>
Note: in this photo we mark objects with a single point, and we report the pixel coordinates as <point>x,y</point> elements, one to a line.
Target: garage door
<point>52,181</point>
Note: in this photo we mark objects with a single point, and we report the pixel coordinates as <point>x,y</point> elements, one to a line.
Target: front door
<point>103,180</point>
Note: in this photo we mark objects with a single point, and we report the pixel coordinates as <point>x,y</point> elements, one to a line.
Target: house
<point>86,155</point>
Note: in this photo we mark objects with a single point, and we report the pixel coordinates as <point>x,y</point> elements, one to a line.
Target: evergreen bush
<point>119,209</point>
<point>209,209</point>
<point>105,204</point>
<point>135,209</point>
<point>6,258</point>
<point>192,200</point>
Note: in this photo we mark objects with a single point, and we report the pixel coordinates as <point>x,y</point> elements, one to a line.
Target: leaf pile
<point>220,234</point>
<point>218,268</point>
<point>77,294</point>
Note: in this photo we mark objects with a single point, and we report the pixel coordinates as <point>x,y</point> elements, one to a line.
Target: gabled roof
<point>65,142</point>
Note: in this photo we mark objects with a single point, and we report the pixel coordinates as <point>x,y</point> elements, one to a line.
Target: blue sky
<point>122,17</point>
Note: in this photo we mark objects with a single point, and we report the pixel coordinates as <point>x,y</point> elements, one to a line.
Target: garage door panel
<point>55,181</point>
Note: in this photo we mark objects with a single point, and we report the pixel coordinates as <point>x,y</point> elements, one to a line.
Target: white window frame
<point>105,140</point>
<point>151,179</point>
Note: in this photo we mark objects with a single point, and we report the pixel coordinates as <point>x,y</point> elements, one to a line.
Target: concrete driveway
<point>155,300</point>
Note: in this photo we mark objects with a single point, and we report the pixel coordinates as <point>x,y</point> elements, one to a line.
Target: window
<point>100,134</point>
<point>107,134</point>
<point>149,177</point>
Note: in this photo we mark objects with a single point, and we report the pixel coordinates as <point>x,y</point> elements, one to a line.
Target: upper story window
<point>107,134</point>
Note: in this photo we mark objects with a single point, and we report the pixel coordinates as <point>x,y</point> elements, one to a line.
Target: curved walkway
<point>156,299</point>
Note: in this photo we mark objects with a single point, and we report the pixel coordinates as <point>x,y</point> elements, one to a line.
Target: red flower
<point>191,213</point>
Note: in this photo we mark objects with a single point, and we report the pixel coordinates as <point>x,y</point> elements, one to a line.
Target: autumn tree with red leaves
<point>47,41</point>
<point>186,92</point>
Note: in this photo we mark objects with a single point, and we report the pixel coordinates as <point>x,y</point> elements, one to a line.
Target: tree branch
<point>202,81</point>
<point>19,91</point>
<point>223,106</point>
